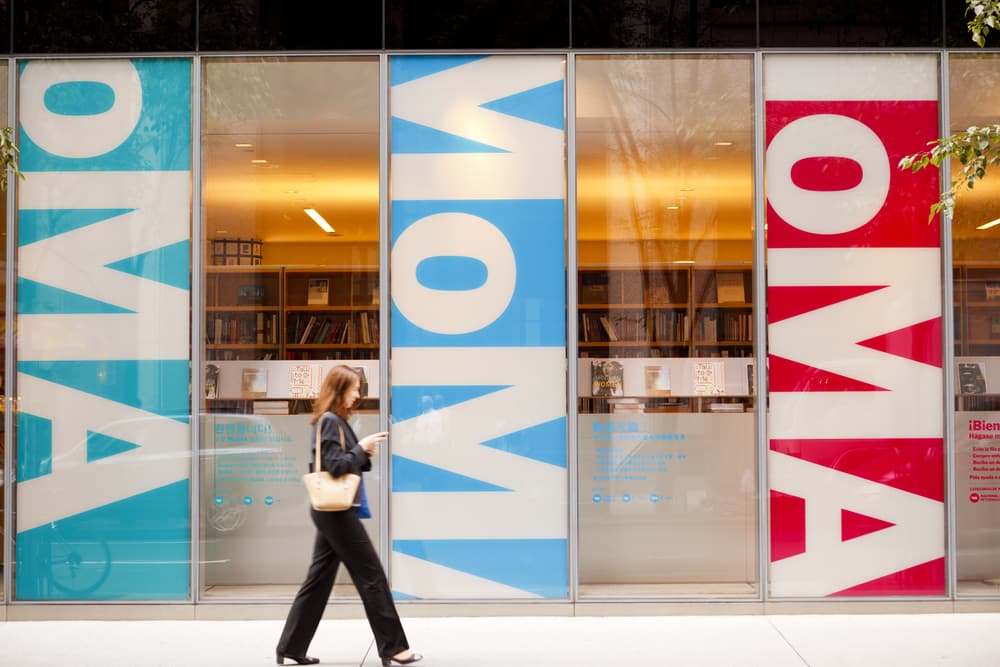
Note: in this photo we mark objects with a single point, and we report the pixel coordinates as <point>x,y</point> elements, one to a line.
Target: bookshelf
<point>723,312</point>
<point>242,313</point>
<point>301,313</point>
<point>665,311</point>
<point>977,306</point>
<point>634,312</point>
<point>331,313</point>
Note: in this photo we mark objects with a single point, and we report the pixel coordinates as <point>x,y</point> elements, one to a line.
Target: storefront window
<point>667,456</point>
<point>103,447</point>
<point>855,410</point>
<point>291,287</point>
<point>975,101</point>
<point>3,332</point>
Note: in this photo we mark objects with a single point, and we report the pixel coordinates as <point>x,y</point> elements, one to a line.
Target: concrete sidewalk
<point>912,640</point>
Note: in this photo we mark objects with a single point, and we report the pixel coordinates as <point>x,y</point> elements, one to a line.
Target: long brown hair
<point>333,394</point>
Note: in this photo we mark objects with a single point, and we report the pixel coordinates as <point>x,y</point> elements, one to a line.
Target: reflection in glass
<point>289,145</point>
<point>975,100</point>
<point>665,319</point>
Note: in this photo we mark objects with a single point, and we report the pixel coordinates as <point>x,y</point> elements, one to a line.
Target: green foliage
<point>976,149</point>
<point>985,17</point>
<point>9,155</point>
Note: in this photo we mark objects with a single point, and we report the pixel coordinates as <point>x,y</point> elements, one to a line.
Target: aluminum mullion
<point>760,324</point>
<point>572,347</point>
<point>384,310</point>
<point>197,308</point>
<point>947,340</point>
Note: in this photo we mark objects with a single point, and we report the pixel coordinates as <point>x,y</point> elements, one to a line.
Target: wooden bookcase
<point>665,311</point>
<point>342,324</point>
<point>242,313</point>
<point>264,313</point>
<point>977,310</point>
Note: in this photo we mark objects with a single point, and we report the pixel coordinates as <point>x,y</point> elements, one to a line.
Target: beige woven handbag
<point>326,492</point>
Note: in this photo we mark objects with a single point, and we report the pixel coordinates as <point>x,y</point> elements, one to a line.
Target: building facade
<point>649,309</point>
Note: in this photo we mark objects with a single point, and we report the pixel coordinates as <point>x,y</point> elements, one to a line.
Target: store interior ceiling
<point>273,147</point>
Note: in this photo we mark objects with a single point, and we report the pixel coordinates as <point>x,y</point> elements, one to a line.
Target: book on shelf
<point>729,287</point>
<point>632,406</point>
<point>211,380</point>
<point>318,292</point>
<point>607,378</point>
<point>270,407</point>
<point>994,326</point>
<point>363,386</point>
<point>725,407</point>
<point>992,291</point>
<point>303,381</point>
<point>307,330</point>
<point>609,329</point>
<point>709,378</point>
<point>971,378</point>
<point>657,380</point>
<point>253,383</point>
<point>250,295</point>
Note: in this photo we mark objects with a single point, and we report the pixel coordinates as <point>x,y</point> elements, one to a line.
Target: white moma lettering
<point>534,376</point>
<point>827,212</point>
<point>75,486</point>
<point>158,329</point>
<point>87,135</point>
<point>830,564</point>
<point>450,101</point>
<point>827,338</point>
<point>453,311</point>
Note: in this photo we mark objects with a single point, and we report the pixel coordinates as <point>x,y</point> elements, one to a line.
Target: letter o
<point>81,136</point>
<point>453,234</point>
<point>827,212</point>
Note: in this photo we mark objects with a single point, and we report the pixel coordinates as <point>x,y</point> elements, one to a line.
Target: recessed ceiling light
<point>687,189</point>
<point>221,231</point>
<point>318,219</point>
<point>723,143</point>
<point>683,261</point>
<point>673,208</point>
<point>992,223</point>
<point>243,145</point>
<point>258,161</point>
<point>291,192</point>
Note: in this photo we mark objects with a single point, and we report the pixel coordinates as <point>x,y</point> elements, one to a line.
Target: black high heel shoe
<point>306,660</point>
<point>416,657</point>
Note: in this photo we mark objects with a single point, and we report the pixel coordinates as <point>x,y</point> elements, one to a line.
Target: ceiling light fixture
<point>243,145</point>
<point>723,143</point>
<point>318,219</point>
<point>673,208</point>
<point>992,223</point>
<point>683,261</point>
<point>258,161</point>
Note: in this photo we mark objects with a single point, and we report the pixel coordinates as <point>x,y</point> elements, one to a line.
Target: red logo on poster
<point>974,497</point>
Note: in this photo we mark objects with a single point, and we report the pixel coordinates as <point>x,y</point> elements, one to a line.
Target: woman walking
<point>340,537</point>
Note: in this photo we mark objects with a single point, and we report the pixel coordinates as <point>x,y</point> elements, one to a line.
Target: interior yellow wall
<point>652,252</point>
<point>330,253</point>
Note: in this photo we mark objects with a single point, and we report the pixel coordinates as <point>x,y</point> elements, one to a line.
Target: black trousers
<point>340,537</point>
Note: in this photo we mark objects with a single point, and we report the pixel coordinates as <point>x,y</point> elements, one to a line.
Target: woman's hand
<point>370,443</point>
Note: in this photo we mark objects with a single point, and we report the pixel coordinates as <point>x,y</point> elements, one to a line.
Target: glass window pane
<point>3,319</point>
<point>264,25</point>
<point>850,23</point>
<point>668,503</point>
<point>975,101</point>
<point>655,24</point>
<point>855,411</point>
<point>477,24</point>
<point>284,300</point>
<point>103,26</point>
<point>103,446</point>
